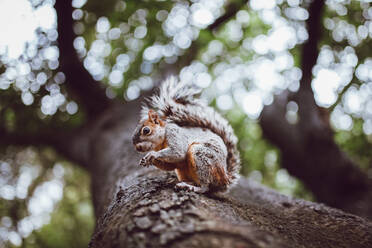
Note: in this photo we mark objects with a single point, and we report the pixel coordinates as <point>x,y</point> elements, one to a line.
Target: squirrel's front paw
<point>143,162</point>
<point>148,159</point>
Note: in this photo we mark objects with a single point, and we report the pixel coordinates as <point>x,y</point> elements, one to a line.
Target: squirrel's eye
<point>146,130</point>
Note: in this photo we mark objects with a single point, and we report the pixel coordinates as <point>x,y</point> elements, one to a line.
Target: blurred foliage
<point>357,145</point>
<point>131,45</point>
<point>261,160</point>
<point>73,221</point>
<point>28,180</point>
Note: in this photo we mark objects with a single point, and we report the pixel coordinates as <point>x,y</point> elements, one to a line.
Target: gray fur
<point>180,138</point>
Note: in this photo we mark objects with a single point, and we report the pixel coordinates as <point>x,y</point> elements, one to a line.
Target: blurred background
<point>128,47</point>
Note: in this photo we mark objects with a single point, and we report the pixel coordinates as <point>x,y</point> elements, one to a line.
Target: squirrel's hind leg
<point>207,161</point>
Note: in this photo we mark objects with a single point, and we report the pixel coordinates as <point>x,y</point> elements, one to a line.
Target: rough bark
<point>307,148</point>
<point>139,207</point>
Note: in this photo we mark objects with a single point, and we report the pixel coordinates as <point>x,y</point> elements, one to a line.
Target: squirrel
<point>184,134</point>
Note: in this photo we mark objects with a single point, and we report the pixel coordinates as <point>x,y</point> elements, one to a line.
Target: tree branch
<point>186,59</point>
<point>231,11</point>
<point>70,144</point>
<point>308,150</point>
<point>80,85</point>
<point>309,119</point>
<point>310,48</point>
<point>79,82</point>
<point>341,94</point>
<point>282,134</point>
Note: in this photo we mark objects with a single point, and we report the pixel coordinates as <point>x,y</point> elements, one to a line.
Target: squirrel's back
<point>175,101</point>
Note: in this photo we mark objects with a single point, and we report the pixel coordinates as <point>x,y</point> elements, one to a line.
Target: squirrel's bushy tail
<point>176,103</point>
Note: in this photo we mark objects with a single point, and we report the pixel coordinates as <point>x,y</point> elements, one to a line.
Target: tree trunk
<point>308,150</point>
<point>139,207</point>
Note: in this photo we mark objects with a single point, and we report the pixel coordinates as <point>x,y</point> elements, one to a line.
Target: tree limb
<point>71,144</point>
<point>231,11</point>
<point>342,93</point>
<point>79,82</point>
<point>310,48</point>
<point>308,150</point>
<point>80,85</point>
<point>185,60</point>
<point>309,119</point>
<point>284,132</point>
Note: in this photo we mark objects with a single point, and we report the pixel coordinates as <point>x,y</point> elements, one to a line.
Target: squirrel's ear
<point>154,117</point>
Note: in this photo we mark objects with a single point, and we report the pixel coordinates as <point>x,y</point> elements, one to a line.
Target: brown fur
<point>191,166</point>
<point>220,176</point>
<point>153,121</point>
<point>154,118</point>
<point>186,172</point>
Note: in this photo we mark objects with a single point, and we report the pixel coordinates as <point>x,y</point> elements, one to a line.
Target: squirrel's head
<point>150,133</point>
